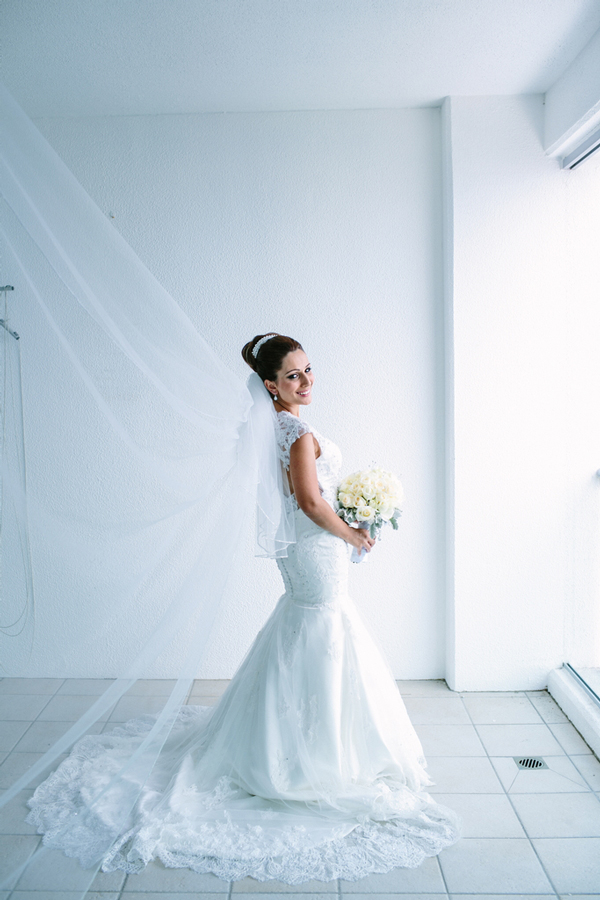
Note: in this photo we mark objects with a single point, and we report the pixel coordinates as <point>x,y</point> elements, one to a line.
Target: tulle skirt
<point>307,768</point>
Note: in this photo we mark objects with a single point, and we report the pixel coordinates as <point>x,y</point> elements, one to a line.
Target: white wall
<point>522,331</point>
<point>325,225</point>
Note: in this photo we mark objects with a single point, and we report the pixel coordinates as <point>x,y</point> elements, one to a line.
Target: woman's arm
<point>305,484</point>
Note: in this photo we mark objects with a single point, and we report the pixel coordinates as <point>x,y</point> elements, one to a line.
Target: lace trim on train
<point>58,811</point>
<point>369,849</point>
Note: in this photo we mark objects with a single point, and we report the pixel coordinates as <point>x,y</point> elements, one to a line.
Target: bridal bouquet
<point>371,499</point>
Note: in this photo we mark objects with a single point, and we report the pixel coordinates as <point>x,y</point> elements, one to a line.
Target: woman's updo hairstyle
<point>268,361</point>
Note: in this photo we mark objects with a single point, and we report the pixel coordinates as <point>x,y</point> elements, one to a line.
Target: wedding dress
<point>307,768</point>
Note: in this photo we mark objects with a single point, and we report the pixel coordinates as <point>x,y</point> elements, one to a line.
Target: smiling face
<point>294,381</point>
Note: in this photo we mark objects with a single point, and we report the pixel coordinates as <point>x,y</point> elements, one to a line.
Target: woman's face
<point>294,380</point>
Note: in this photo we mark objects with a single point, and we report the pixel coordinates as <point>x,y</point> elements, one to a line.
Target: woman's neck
<point>294,410</point>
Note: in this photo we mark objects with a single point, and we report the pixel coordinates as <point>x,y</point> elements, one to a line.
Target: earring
<point>275,397</point>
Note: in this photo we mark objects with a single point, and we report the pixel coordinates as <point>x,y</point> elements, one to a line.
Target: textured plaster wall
<point>325,225</point>
<point>522,331</point>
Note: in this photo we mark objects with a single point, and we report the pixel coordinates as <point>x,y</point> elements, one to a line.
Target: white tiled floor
<point>526,834</point>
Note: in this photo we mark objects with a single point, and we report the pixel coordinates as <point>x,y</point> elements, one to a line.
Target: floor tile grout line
<point>121,892</point>
<point>18,741</point>
<point>476,726</point>
<point>12,890</point>
<point>50,697</point>
<point>25,678</point>
<point>566,719</point>
<point>557,739</point>
<point>509,798</point>
<point>566,777</point>
<point>497,793</point>
<point>586,756</point>
<point>536,709</point>
<point>443,877</point>
<point>510,786</point>
<point>518,693</point>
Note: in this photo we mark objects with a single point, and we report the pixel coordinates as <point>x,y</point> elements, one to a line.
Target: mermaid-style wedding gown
<point>307,768</point>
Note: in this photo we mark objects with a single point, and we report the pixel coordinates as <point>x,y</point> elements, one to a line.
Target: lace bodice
<point>329,461</point>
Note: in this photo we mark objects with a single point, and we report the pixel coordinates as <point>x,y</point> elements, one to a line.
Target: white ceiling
<point>103,57</point>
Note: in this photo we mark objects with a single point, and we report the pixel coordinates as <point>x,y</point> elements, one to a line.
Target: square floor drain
<point>532,763</point>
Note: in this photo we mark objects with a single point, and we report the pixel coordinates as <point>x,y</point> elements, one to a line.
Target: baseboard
<point>577,705</point>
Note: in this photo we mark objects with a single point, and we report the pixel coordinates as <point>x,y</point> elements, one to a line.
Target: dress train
<point>307,768</point>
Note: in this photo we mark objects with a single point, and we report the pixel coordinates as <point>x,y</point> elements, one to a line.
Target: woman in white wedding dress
<point>308,767</point>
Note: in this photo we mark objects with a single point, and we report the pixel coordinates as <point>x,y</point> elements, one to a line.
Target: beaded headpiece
<point>259,344</point>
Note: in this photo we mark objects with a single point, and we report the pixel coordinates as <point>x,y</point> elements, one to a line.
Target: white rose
<point>365,514</point>
<point>368,488</point>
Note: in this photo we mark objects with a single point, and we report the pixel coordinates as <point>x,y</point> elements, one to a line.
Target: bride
<point>308,767</point>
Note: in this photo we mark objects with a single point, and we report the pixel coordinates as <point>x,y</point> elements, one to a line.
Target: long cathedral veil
<point>143,510</point>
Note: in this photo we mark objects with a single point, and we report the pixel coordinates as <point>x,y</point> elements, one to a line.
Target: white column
<point>505,356</point>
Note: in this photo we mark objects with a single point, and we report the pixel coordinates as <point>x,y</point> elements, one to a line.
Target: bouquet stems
<point>358,556</point>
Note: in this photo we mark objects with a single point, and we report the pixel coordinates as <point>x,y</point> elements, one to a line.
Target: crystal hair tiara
<point>259,344</point>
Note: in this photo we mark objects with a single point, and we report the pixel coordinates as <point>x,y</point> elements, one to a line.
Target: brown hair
<point>270,354</point>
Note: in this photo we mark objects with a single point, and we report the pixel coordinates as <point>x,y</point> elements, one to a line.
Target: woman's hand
<point>360,539</point>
